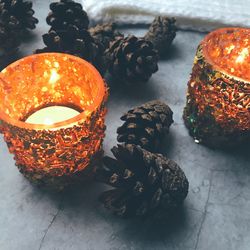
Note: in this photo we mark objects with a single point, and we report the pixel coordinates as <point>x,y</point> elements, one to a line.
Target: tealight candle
<point>51,115</point>
<point>217,112</point>
<point>52,109</point>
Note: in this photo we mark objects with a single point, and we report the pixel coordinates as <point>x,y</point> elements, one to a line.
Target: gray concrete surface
<point>215,214</point>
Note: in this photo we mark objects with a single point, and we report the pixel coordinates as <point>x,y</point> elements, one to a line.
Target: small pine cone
<point>146,125</point>
<point>161,33</point>
<point>105,33</point>
<point>142,181</point>
<point>132,59</point>
<point>65,13</point>
<point>18,12</point>
<point>76,42</point>
<point>9,41</point>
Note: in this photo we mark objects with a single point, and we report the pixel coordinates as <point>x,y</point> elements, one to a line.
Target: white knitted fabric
<point>203,15</point>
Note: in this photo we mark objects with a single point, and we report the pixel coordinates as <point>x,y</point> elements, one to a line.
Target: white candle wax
<point>51,115</point>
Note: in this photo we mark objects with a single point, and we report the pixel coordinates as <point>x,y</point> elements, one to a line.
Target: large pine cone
<point>161,33</point>
<point>142,181</point>
<point>65,13</point>
<point>18,12</point>
<point>76,42</point>
<point>9,41</point>
<point>146,125</point>
<point>105,33</point>
<point>132,59</point>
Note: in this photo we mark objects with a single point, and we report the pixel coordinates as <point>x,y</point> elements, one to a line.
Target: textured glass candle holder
<point>217,111</point>
<point>56,154</point>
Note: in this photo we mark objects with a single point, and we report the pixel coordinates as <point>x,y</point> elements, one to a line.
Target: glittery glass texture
<point>218,98</point>
<point>64,149</point>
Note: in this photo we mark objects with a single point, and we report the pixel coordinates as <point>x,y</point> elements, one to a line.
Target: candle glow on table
<point>51,115</point>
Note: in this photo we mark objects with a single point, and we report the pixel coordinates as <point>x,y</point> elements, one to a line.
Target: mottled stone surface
<point>215,214</point>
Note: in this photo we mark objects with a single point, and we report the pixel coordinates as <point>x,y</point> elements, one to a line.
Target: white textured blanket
<point>202,15</point>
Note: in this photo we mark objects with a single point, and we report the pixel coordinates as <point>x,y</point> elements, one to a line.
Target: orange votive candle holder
<point>58,153</point>
<point>217,111</point>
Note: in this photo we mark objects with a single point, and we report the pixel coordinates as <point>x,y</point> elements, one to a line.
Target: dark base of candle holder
<point>204,129</point>
<point>59,183</point>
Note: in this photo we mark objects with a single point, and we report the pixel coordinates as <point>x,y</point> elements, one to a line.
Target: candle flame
<point>242,55</point>
<point>229,48</point>
<point>54,76</point>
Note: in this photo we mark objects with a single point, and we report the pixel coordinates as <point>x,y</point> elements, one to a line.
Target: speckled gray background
<point>215,215</point>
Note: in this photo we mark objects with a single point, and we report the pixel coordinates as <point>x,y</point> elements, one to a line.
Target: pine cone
<point>142,181</point>
<point>77,42</point>
<point>132,59</point>
<point>105,33</point>
<point>161,33</point>
<point>146,125</point>
<point>19,13</point>
<point>65,13</point>
<point>9,41</point>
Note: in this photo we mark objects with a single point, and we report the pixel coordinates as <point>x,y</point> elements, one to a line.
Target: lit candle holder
<point>52,116</point>
<point>217,111</point>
